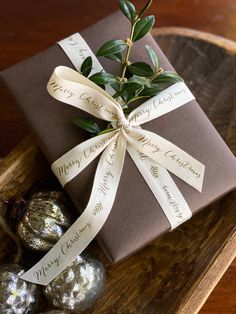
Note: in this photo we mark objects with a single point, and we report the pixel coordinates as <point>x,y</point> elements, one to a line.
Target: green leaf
<point>119,93</point>
<point>115,57</point>
<point>128,89</point>
<point>140,80</point>
<point>128,9</point>
<point>87,125</point>
<point>153,56</point>
<point>151,91</point>
<point>86,66</point>
<point>141,69</point>
<point>115,86</point>
<point>127,96</point>
<point>103,78</point>
<point>167,77</point>
<point>132,86</point>
<point>143,26</point>
<point>145,8</point>
<point>111,47</point>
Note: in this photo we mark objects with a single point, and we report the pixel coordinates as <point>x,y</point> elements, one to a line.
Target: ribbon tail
<point>87,226</point>
<point>163,188</point>
<point>168,155</point>
<point>74,161</point>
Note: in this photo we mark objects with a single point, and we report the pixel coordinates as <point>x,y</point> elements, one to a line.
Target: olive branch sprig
<point>138,80</point>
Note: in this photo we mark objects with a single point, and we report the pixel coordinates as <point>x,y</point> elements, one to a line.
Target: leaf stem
<point>125,62</point>
<point>158,72</point>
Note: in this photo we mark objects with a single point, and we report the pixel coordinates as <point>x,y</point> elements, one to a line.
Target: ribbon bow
<point>72,88</point>
<point>153,155</point>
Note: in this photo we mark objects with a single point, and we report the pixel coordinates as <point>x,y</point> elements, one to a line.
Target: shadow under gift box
<point>136,217</point>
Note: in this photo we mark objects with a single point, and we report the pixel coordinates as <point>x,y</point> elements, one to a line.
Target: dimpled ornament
<point>44,221</point>
<point>16,295</point>
<point>78,286</point>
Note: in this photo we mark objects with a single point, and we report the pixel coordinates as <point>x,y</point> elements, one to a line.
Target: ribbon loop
<point>72,88</point>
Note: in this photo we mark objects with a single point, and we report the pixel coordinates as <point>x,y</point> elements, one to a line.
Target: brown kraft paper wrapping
<point>136,217</point>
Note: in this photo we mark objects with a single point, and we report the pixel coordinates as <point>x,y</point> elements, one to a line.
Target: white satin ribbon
<point>152,154</point>
<point>77,50</point>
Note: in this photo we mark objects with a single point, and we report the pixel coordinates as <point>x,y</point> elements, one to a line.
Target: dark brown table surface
<point>27,27</point>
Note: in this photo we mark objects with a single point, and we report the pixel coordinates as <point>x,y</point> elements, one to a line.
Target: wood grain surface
<point>199,46</point>
<point>27,27</point>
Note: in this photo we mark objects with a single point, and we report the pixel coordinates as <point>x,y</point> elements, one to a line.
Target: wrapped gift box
<point>136,217</point>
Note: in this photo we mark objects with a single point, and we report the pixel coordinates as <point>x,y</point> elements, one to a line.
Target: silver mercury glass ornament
<point>78,286</point>
<point>45,220</point>
<point>16,295</point>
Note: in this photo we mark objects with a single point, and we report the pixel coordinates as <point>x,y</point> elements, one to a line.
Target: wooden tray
<point>177,272</point>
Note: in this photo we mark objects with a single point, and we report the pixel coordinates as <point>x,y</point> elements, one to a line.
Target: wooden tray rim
<point>199,293</point>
